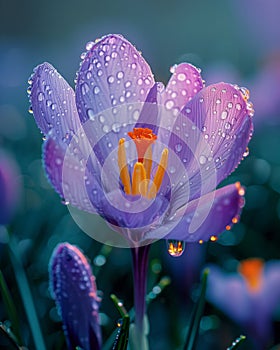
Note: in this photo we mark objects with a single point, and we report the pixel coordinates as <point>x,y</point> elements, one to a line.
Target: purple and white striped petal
<point>71,176</point>
<point>53,103</point>
<point>73,287</point>
<point>211,136</point>
<point>183,85</point>
<point>223,115</point>
<point>203,218</point>
<point>112,84</point>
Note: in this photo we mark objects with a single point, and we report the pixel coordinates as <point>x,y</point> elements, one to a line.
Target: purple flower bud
<point>74,290</point>
<point>9,188</point>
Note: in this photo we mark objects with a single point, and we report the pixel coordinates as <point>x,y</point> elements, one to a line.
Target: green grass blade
<point>10,307</point>
<point>121,340</point>
<point>26,295</point>
<point>237,342</point>
<point>13,345</point>
<point>196,315</point>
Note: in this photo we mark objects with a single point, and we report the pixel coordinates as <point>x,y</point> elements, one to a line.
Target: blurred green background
<point>234,41</point>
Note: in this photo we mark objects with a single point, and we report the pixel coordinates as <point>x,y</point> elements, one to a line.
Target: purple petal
<point>53,103</point>
<point>223,116</point>
<point>229,293</point>
<point>271,286</point>
<point>149,114</point>
<point>70,175</point>
<point>183,85</point>
<point>203,218</point>
<point>74,290</point>
<point>113,83</point>
<point>112,73</point>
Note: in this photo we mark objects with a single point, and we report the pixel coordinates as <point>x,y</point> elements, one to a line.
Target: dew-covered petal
<point>203,218</point>
<point>73,287</point>
<point>71,176</point>
<point>148,117</point>
<point>114,78</point>
<point>53,103</point>
<point>183,85</point>
<point>223,115</point>
<point>228,293</point>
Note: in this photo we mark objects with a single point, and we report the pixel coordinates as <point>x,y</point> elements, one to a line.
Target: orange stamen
<point>124,173</point>
<point>252,270</point>
<point>138,177</point>
<point>143,138</point>
<point>159,174</point>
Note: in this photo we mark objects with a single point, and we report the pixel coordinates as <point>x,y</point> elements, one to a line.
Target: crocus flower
<point>145,157</point>
<point>73,287</point>
<point>9,188</point>
<point>249,296</point>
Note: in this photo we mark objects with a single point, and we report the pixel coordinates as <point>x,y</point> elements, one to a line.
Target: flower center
<point>252,270</point>
<point>141,182</point>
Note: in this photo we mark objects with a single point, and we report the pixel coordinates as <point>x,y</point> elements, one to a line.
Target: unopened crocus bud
<point>9,188</point>
<point>73,287</point>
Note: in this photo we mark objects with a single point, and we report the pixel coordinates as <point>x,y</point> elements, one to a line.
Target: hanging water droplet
<point>246,153</point>
<point>30,110</point>
<point>173,68</point>
<point>175,248</point>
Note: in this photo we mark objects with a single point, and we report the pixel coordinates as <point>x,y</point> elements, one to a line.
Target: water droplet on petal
<point>84,88</point>
<point>89,45</point>
<point>238,106</point>
<point>181,77</point>
<point>228,126</point>
<point>101,118</point>
<point>224,114</point>
<point>178,147</point>
<point>40,96</point>
<point>110,79</point>
<point>202,159</point>
<point>175,248</point>
<point>169,104</point>
<point>116,127</point>
<point>96,90</point>
<point>91,114</point>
